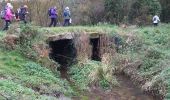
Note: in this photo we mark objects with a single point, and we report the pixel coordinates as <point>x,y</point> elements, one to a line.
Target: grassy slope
<point>152,46</point>
<point>158,57</point>
<point>21,78</point>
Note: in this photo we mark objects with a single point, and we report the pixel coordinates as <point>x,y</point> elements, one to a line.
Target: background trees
<point>165,14</point>
<point>131,11</point>
<point>94,11</point>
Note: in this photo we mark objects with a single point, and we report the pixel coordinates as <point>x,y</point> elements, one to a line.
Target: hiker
<point>67,17</point>
<point>2,14</point>
<point>8,15</point>
<point>17,14</point>
<point>22,13</point>
<point>52,12</point>
<point>156,20</point>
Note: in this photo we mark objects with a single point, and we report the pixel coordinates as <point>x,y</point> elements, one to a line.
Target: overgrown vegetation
<point>152,45</point>
<point>91,73</point>
<point>22,78</point>
<point>27,72</point>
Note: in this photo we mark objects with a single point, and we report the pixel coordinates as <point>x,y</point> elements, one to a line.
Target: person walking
<point>67,17</point>
<point>156,20</point>
<point>17,14</point>
<point>22,13</point>
<point>52,12</point>
<point>8,15</point>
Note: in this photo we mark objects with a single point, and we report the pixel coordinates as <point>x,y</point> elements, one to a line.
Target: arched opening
<point>63,52</point>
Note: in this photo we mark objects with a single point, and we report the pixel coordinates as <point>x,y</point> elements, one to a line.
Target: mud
<point>126,91</point>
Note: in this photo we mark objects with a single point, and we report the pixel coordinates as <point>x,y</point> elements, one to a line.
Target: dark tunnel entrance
<point>63,52</point>
<point>95,49</point>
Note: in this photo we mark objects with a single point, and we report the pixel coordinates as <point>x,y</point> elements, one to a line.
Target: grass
<point>92,73</point>
<point>14,91</point>
<point>152,46</point>
<point>30,77</point>
<point>20,77</point>
<point>76,29</point>
<point>2,34</point>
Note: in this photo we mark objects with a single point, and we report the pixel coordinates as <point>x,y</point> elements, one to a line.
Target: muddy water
<point>126,91</point>
<point>63,72</point>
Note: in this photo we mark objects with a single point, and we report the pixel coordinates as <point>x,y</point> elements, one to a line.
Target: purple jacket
<point>53,13</point>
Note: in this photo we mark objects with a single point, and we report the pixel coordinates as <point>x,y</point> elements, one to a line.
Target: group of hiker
<point>53,14</point>
<point>8,14</point>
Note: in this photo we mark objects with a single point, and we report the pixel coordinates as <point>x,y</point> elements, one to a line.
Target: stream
<point>126,91</point>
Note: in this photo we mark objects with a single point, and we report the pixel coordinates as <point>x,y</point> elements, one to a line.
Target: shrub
<point>26,41</point>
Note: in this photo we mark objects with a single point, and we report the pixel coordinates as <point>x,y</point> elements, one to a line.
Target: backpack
<point>51,11</point>
<point>22,11</point>
<point>2,14</point>
<point>66,13</point>
<point>154,19</point>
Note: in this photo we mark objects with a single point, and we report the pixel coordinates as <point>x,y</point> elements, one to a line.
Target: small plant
<point>104,84</point>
